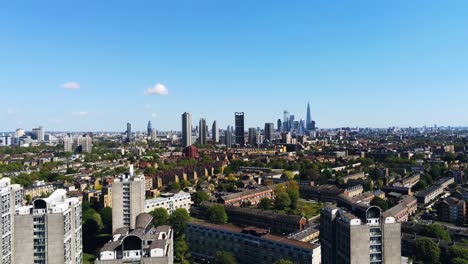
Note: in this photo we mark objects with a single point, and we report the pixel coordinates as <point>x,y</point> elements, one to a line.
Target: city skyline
<point>91,70</point>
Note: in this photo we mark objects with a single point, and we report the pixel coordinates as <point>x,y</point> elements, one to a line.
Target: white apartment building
<point>49,231</point>
<point>11,198</point>
<point>170,202</point>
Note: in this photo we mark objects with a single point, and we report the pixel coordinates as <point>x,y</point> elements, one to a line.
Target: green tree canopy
<point>282,201</point>
<point>223,257</point>
<point>264,204</point>
<point>181,251</point>
<point>437,231</point>
<point>106,216</point>
<point>381,203</point>
<point>292,189</point>
<point>427,251</point>
<point>288,175</point>
<point>160,216</point>
<point>458,252</point>
<point>284,261</point>
<point>459,261</point>
<point>217,214</point>
<point>201,196</point>
<point>178,220</point>
<point>175,187</point>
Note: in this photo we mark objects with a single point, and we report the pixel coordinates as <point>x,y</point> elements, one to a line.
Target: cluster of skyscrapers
<point>235,135</point>
<point>24,138</point>
<point>300,127</point>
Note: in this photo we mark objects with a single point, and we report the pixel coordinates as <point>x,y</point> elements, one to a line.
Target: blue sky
<point>359,63</point>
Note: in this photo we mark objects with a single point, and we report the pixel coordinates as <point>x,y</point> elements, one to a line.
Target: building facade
<point>248,245</point>
<point>186,129</point>
<point>202,133</point>
<point>269,131</point>
<point>252,136</point>
<point>49,231</point>
<point>128,199</point>
<point>170,202</point>
<point>346,238</point>
<point>144,244</point>
<point>11,198</point>
<point>215,132</point>
<point>239,121</point>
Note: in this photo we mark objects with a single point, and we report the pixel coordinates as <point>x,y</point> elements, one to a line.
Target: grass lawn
<point>88,258</point>
<point>309,209</point>
<point>306,208</point>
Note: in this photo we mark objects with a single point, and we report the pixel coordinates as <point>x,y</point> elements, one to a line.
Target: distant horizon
<point>75,65</point>
<point>246,130</point>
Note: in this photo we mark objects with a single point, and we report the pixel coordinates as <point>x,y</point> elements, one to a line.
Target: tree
<point>150,171</point>
<point>459,261</point>
<point>437,231</point>
<point>160,216</point>
<point>217,214</point>
<point>175,186</point>
<point>231,177</point>
<point>381,203</point>
<point>421,185</point>
<point>178,220</point>
<point>185,184</point>
<point>223,257</point>
<point>284,261</point>
<point>28,198</point>
<point>427,251</point>
<point>458,252</point>
<point>288,175</point>
<point>268,182</point>
<point>282,201</point>
<point>92,224</point>
<point>181,251</point>
<point>380,183</point>
<point>264,204</point>
<point>292,188</point>
<point>106,216</point>
<point>201,196</point>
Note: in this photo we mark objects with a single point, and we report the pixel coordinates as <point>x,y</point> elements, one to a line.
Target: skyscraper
<point>129,132</point>
<point>228,137</point>
<point>269,131</point>
<point>252,136</point>
<point>68,144</point>
<point>49,231</point>
<point>202,131</point>
<point>186,129</point>
<point>285,126</point>
<point>239,118</point>
<point>38,133</point>
<point>215,132</point>
<point>149,128</point>
<point>346,238</point>
<point>84,143</point>
<point>128,199</point>
<point>154,134</point>
<point>308,118</point>
<point>291,125</point>
<point>279,123</point>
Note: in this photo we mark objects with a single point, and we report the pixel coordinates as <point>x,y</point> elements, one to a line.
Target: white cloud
<point>11,111</point>
<point>157,89</point>
<point>154,115</point>
<point>81,114</point>
<point>70,85</point>
<point>147,106</point>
